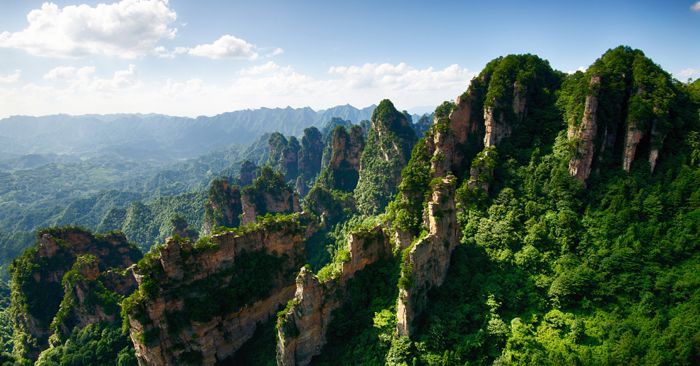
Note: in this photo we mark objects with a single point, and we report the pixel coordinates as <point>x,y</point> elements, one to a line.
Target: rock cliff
<point>198,303</point>
<point>269,193</point>
<point>621,108</point>
<point>223,207</point>
<point>90,296</point>
<point>302,326</point>
<point>37,278</point>
<point>425,263</point>
<point>584,134</point>
<point>342,170</point>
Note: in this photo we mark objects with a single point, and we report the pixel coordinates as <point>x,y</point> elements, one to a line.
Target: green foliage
<point>352,335</point>
<point>269,185</point>
<point>551,274</point>
<point>388,148</point>
<point>96,344</point>
<point>223,207</point>
<point>406,211</point>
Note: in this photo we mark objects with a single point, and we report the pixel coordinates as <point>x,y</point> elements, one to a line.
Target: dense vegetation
<point>388,148</point>
<point>550,270</point>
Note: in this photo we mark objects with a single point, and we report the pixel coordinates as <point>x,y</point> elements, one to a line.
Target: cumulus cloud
<point>695,7</point>
<point>265,68</point>
<point>401,76</point>
<point>69,73</point>
<point>82,80</point>
<point>11,77</point>
<point>226,47</point>
<point>86,90</point>
<point>127,29</point>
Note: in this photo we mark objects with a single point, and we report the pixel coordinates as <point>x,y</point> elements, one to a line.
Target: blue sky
<point>205,57</point>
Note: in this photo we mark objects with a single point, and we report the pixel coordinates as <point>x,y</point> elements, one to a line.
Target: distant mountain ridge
<point>156,136</point>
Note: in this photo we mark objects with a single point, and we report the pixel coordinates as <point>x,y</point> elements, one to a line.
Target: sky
<point>191,58</point>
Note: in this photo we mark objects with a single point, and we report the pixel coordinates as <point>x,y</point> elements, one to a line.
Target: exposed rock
<point>428,260</point>
<point>84,300</point>
<point>584,134</point>
<point>190,279</point>
<point>268,194</point>
<point>635,98</point>
<point>40,287</point>
<point>247,173</point>
<point>223,207</point>
<point>310,154</point>
<point>657,139</point>
<point>632,139</point>
<point>342,171</point>
<point>284,155</point>
<point>301,329</point>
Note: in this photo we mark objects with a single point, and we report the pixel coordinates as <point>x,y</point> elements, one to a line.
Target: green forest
<point>549,267</point>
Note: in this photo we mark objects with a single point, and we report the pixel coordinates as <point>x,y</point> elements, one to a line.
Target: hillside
<point>542,218</point>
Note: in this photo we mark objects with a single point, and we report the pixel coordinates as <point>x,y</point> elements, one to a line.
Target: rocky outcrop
<point>284,155</point>
<point>223,207</point>
<point>583,134</point>
<point>310,154</point>
<point>198,303</point>
<point>247,173</point>
<point>390,140</point>
<point>426,263</point>
<point>342,171</point>
<point>496,125</point>
<point>37,278</point>
<point>657,140</point>
<point>626,114</point>
<point>302,326</point>
<point>88,297</point>
<point>269,193</point>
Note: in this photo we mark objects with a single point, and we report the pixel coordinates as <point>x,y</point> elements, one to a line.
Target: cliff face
<point>88,297</point>
<point>197,304</point>
<point>426,263</point>
<point>247,173</point>
<point>311,153</point>
<point>342,170</point>
<point>269,193</point>
<point>584,135</point>
<point>629,104</point>
<point>223,207</point>
<point>37,279</point>
<point>301,328</point>
<point>284,155</point>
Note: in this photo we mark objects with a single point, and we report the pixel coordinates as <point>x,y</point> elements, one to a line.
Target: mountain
<point>158,137</point>
<point>543,218</point>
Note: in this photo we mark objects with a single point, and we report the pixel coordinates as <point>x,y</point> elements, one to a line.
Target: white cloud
<point>86,90</point>
<point>226,47</point>
<point>10,78</point>
<point>69,73</point>
<point>401,76</point>
<point>275,52</point>
<point>126,29</point>
<point>695,7</point>
<point>76,81</point>
<point>265,68</point>
<point>687,73</point>
<point>163,52</point>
